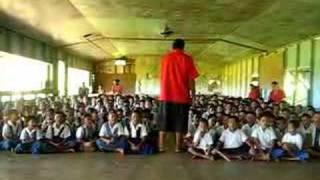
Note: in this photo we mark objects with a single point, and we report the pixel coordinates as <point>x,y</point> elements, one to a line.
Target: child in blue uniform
<point>29,136</point>
<point>86,135</point>
<point>137,134</point>
<point>111,135</point>
<point>10,132</point>
<point>291,144</point>
<point>58,136</point>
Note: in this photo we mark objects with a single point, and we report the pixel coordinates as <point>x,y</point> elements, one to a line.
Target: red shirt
<point>277,95</point>
<point>117,89</point>
<point>177,69</point>
<point>254,94</point>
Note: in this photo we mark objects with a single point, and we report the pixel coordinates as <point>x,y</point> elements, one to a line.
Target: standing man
<point>116,87</point>
<point>177,89</point>
<point>254,93</point>
<point>276,95</point>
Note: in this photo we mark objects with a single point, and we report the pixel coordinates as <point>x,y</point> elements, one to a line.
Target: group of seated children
<point>55,135</point>
<point>219,127</point>
<point>254,136</point>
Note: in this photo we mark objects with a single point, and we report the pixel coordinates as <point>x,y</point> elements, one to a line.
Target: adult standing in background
<point>277,94</point>
<point>177,89</point>
<point>116,87</point>
<point>254,93</point>
<point>83,90</point>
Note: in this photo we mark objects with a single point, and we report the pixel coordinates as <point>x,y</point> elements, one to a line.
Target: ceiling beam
<point>190,40</point>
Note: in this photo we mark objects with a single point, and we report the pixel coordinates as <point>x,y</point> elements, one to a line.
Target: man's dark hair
<point>295,124</point>
<point>274,83</point>
<point>178,44</point>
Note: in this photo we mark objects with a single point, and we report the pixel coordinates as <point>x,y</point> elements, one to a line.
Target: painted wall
<point>296,66</point>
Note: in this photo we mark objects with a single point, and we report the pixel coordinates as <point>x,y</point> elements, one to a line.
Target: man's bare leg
<point>162,136</point>
<point>178,142</point>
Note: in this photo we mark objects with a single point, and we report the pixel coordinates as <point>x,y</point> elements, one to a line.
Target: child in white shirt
<point>264,138</point>
<point>202,141</point>
<point>291,144</point>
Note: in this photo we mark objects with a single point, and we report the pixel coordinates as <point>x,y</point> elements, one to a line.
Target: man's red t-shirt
<point>177,69</point>
<point>254,93</point>
<point>277,95</point>
<point>117,89</point>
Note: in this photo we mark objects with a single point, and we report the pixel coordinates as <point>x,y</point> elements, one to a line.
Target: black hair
<point>295,124</point>
<point>274,83</point>
<point>305,115</point>
<point>87,115</point>
<point>178,44</point>
<point>268,114</point>
<point>234,117</point>
<point>252,113</point>
<point>202,120</point>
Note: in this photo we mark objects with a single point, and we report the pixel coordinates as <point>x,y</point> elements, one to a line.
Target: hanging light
<point>120,62</point>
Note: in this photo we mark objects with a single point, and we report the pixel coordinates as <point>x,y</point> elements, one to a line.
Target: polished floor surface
<point>169,166</point>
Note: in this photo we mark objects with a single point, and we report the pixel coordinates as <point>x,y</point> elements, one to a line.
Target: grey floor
<point>169,166</point>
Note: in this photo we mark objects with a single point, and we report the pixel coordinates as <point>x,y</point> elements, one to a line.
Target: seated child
<point>29,136</point>
<point>111,135</point>
<point>250,124</point>
<point>306,126</point>
<point>10,132</point>
<point>86,134</point>
<point>58,136</point>
<point>137,135</point>
<point>264,138</point>
<point>291,144</point>
<point>202,141</point>
<point>314,149</point>
<point>232,141</point>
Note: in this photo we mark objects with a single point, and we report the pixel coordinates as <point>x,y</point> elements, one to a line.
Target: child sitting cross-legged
<point>264,138</point>
<point>291,145</point>
<point>202,141</point>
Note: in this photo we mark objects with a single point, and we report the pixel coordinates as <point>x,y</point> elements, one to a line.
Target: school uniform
<point>315,133</point>
<point>62,135</point>
<point>295,139</point>
<point>28,140</point>
<point>85,134</point>
<point>10,134</point>
<point>203,141</point>
<point>266,137</point>
<point>233,141</point>
<point>247,129</point>
<point>116,133</point>
<point>306,133</point>
<point>136,134</point>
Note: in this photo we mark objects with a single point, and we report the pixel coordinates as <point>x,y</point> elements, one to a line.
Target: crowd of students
<point>219,127</point>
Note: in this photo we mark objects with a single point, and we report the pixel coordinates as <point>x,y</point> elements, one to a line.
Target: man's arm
<point>192,88</point>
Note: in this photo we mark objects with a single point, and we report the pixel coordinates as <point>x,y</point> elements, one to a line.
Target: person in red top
<point>177,89</point>
<point>116,87</point>
<point>276,95</point>
<point>254,93</point>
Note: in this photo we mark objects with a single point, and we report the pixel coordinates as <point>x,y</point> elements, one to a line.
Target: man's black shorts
<point>173,117</point>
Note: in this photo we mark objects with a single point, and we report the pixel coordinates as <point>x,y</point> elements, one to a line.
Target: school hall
<point>159,89</point>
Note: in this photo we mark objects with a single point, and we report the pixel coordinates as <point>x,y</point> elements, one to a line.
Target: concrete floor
<point>169,166</point>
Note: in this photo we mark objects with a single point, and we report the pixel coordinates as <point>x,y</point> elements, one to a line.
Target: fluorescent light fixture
<point>317,38</point>
<point>120,62</point>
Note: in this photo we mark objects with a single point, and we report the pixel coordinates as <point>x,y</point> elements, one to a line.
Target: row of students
<point>262,143</point>
<point>56,136</point>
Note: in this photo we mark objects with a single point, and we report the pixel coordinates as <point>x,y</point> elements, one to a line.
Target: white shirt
<point>266,137</point>
<point>9,130</point>
<point>115,128</point>
<point>204,141</point>
<point>231,139</point>
<point>27,134</point>
<point>56,130</point>
<point>248,130</point>
<point>295,139</point>
<point>134,130</point>
<point>84,132</point>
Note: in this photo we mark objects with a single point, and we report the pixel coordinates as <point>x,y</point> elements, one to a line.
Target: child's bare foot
<point>121,151</point>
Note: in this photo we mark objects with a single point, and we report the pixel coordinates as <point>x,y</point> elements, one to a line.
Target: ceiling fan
<point>166,32</point>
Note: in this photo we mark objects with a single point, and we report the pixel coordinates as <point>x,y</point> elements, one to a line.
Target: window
<point>61,78</point>
<point>20,74</point>
<point>75,79</point>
